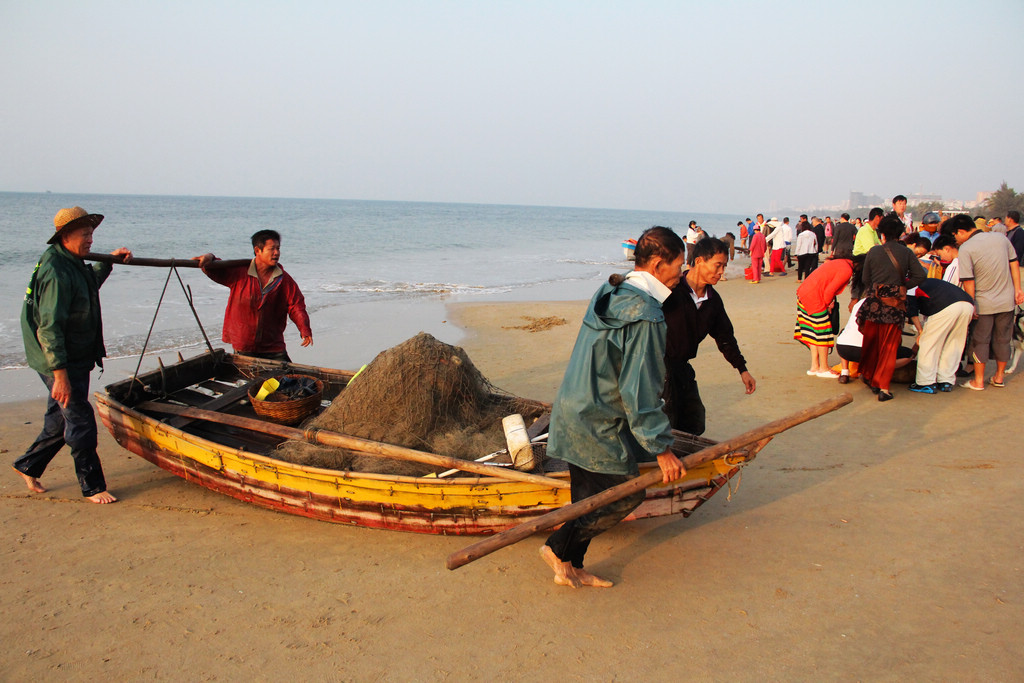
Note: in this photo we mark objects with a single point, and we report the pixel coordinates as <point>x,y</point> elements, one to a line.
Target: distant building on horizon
<point>859,200</point>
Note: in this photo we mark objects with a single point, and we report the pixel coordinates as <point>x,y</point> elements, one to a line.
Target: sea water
<point>372,272</point>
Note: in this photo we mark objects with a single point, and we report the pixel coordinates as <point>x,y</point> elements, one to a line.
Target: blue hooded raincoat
<point>608,413</point>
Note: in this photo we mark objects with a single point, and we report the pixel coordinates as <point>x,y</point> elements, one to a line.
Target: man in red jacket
<point>262,299</point>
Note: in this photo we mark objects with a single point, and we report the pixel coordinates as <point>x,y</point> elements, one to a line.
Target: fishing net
<point>422,394</point>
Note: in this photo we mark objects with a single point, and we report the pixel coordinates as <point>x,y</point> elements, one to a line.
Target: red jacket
<point>758,246</point>
<point>824,284</point>
<point>255,318</point>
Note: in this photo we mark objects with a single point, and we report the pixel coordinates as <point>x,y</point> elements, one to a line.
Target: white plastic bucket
<point>518,442</point>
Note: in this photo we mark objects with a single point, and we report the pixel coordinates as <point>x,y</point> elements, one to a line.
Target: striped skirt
<point>813,329</point>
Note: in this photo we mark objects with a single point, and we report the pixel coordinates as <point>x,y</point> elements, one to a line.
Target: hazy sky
<point>712,106</point>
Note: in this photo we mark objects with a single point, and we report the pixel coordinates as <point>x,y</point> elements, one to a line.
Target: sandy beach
<point>881,542</point>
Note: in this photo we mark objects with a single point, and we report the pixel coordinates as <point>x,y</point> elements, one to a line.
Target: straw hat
<point>69,219</point>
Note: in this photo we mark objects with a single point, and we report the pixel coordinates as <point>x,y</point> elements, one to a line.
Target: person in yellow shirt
<point>867,236</point>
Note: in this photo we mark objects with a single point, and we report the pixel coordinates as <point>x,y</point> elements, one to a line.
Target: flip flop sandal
<point>968,385</point>
<point>994,383</point>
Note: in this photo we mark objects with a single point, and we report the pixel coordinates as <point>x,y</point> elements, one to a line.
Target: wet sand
<point>882,542</point>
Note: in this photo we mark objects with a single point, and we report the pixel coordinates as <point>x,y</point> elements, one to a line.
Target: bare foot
<point>565,575</point>
<point>587,579</point>
<point>103,497</point>
<point>33,484</point>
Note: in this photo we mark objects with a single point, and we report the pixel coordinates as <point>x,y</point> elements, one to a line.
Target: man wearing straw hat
<point>62,328</point>
<point>262,298</point>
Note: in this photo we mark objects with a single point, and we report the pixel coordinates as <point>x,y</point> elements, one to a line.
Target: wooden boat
<point>240,462</point>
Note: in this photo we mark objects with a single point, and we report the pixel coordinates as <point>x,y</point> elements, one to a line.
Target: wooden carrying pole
<point>563,514</point>
<point>377,448</point>
<point>162,262</point>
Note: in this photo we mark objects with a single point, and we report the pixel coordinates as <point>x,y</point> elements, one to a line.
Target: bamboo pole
<point>162,262</point>
<point>564,514</point>
<point>377,448</point>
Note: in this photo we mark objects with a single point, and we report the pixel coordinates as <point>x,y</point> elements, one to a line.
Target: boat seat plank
<point>190,397</point>
<point>220,403</point>
<point>539,426</point>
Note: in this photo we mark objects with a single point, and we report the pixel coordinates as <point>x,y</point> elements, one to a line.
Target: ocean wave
<point>384,287</point>
<point>621,263</point>
<point>129,346</point>
<point>391,290</point>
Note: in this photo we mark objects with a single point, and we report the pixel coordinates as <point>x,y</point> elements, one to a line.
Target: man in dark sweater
<point>843,237</point>
<point>819,229</point>
<point>941,338</point>
<point>1015,234</point>
<point>693,311</point>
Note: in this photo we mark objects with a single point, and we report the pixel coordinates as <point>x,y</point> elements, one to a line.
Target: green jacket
<point>608,413</point>
<point>61,323</point>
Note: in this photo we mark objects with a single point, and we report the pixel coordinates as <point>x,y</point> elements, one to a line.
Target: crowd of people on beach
<point>950,282</point>
<point>953,279</point>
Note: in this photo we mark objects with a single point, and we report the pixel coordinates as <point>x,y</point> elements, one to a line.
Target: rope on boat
<point>739,474</point>
<point>187,291</point>
<point>188,298</point>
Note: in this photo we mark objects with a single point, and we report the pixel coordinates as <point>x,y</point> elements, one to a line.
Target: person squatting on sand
<point>262,298</point>
<point>692,312</point>
<point>62,327</point>
<point>890,268</point>
<point>608,413</point>
<point>850,341</point>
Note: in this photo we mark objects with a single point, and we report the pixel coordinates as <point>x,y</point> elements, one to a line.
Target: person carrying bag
<point>889,270</point>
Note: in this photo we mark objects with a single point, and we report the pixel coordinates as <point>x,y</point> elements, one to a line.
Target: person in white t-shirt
<point>790,239</point>
<point>693,235</point>
<point>946,248</point>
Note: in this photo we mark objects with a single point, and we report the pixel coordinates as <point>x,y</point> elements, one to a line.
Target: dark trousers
<point>683,406</point>
<point>805,265</point>
<point>571,540</point>
<point>74,426</point>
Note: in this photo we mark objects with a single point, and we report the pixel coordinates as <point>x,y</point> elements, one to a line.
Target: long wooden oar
<point>162,262</point>
<point>377,448</point>
<point>564,514</point>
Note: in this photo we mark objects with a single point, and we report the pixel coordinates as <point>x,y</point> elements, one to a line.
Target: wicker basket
<point>286,412</point>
